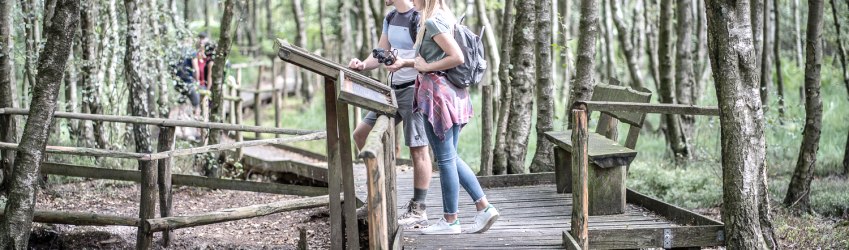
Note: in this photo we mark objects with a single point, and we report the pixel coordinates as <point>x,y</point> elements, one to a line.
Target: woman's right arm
<point>196,71</point>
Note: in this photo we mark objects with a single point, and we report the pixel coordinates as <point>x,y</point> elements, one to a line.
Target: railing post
<point>258,102</point>
<point>239,136</point>
<point>275,95</point>
<point>334,175</point>
<point>166,143</point>
<point>389,173</point>
<point>147,203</point>
<point>580,163</point>
<point>377,204</point>
<point>486,143</point>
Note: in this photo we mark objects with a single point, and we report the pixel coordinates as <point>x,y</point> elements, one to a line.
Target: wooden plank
<point>562,170</point>
<point>322,66</point>
<point>238,109</point>
<point>303,169</point>
<point>512,180</point>
<point>608,93</point>
<point>166,143</point>
<point>232,214</point>
<point>487,132</point>
<point>569,242</point>
<point>580,163</point>
<point>275,96</point>
<point>379,100</point>
<point>82,151</point>
<point>653,108</point>
<point>181,180</point>
<point>672,237</point>
<point>249,65</point>
<point>165,122</point>
<point>669,211</point>
<point>334,180</point>
<point>234,145</point>
<point>80,218</point>
<point>602,151</point>
<point>606,190</point>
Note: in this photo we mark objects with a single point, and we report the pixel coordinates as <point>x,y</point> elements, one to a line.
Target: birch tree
<point>522,79</point>
<point>499,164</point>
<point>8,124</point>
<point>16,223</point>
<point>544,156</point>
<point>582,90</point>
<point>221,54</point>
<point>674,135</point>
<point>841,50</point>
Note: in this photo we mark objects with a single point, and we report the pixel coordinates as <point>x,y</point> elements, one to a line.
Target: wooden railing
<point>379,157</point>
<point>156,177</point>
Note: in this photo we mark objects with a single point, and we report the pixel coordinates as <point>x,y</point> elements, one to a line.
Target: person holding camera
<point>395,51</point>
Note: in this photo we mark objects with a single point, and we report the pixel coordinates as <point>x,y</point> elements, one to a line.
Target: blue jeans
<point>453,171</point>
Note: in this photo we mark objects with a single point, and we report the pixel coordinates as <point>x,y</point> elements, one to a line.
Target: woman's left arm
<point>453,55</point>
<point>209,75</point>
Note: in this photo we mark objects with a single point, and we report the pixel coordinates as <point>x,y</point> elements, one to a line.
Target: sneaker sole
<point>488,224</point>
<point>414,225</point>
<point>441,233</point>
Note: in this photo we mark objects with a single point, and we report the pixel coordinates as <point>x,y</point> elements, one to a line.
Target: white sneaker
<point>484,219</point>
<point>415,216</point>
<point>442,227</point>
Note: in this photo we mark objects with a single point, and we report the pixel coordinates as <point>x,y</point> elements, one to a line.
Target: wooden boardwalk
<point>532,217</point>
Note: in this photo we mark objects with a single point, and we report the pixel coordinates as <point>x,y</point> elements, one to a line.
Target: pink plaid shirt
<point>444,104</point>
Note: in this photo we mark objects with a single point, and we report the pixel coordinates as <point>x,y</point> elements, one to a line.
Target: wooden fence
<point>378,155</point>
<point>157,178</point>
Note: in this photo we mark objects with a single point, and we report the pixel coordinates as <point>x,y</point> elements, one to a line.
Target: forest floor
<point>278,231</point>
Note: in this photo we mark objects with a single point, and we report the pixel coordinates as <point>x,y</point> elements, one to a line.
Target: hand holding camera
<point>383,56</point>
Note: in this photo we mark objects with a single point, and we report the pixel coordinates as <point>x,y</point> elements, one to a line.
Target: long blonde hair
<point>429,10</point>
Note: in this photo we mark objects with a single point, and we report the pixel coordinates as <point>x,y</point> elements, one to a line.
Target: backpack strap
<point>414,25</point>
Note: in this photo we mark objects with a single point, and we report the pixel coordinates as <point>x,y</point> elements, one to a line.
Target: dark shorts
<point>414,133</point>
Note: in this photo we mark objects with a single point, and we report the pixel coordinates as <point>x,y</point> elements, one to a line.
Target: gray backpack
<point>471,72</point>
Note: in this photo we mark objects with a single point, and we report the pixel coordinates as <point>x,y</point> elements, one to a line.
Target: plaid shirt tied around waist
<point>444,104</point>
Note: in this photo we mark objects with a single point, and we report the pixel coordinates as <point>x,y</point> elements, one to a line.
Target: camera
<point>383,56</point>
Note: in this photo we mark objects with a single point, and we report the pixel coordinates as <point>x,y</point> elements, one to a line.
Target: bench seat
<point>603,152</point>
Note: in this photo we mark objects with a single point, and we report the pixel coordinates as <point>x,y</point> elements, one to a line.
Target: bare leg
<point>361,134</point>
<point>422,168</point>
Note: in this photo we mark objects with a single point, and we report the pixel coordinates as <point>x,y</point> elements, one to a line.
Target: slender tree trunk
<point>499,166</point>
<point>186,11</point>
<point>322,32</point>
<point>779,77</point>
<point>841,50</point>
<point>522,75</point>
<point>225,37</point>
<point>544,156</point>
<point>674,134</point>
<point>798,41</point>
<point>766,57</point>
<point>31,51</point>
<point>736,75</point>
<point>701,63</point>
<point>491,43</point>
<point>651,44</point>
<point>798,193</point>
<point>269,24</point>
<point>582,90</point>
<point>91,86</point>
<point>566,55</point>
<point>254,29</point>
<point>757,17</point>
<point>345,32</point>
<point>8,124</point>
<point>627,46</point>
<point>15,225</point>
<point>301,40</point>
<point>608,42</point>
<point>684,79</point>
<point>70,82</point>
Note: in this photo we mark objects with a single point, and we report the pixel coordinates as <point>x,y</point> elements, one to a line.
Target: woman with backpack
<point>446,109</point>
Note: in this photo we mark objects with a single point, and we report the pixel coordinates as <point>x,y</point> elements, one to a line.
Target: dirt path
<point>279,231</point>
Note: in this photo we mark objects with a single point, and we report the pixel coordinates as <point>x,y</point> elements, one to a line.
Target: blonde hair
<point>427,11</point>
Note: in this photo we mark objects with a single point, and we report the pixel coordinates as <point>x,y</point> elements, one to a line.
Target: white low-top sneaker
<point>484,219</point>
<point>442,227</point>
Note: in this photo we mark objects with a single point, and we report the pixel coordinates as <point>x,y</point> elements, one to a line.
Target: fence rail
<point>378,155</point>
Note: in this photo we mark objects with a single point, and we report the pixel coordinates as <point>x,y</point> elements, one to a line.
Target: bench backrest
<point>612,93</point>
<point>607,124</point>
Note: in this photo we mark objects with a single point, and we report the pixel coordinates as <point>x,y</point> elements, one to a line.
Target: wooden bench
<point>608,159</point>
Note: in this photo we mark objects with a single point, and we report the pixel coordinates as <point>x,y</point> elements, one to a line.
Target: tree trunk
<point>160,75</point>
<point>269,24</point>
<point>757,16</point>
<point>491,43</point>
<point>322,32</point>
<point>841,50</point>
<point>8,124</point>
<point>651,45</point>
<point>301,41</point>
<point>522,79</point>
<point>221,55</point>
<point>70,83</point>
<point>684,79</point>
<point>88,78</point>
<point>625,41</point>
<point>798,193</point>
<point>608,42</point>
<point>736,75</point>
<point>565,8</point>
<point>674,136</point>
<point>252,41</point>
<point>31,51</point>
<point>15,225</point>
<point>544,156</point>
<point>499,165</point>
<point>779,77</point>
<point>186,11</point>
<point>701,63</point>
<point>582,90</point>
<point>345,32</point>
<point>766,57</point>
<point>798,33</point>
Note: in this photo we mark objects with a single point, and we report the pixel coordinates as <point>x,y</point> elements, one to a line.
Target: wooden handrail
<point>374,144</point>
<point>162,155</point>
<point>373,156</point>
<point>662,108</point>
<point>250,64</point>
<point>164,122</point>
